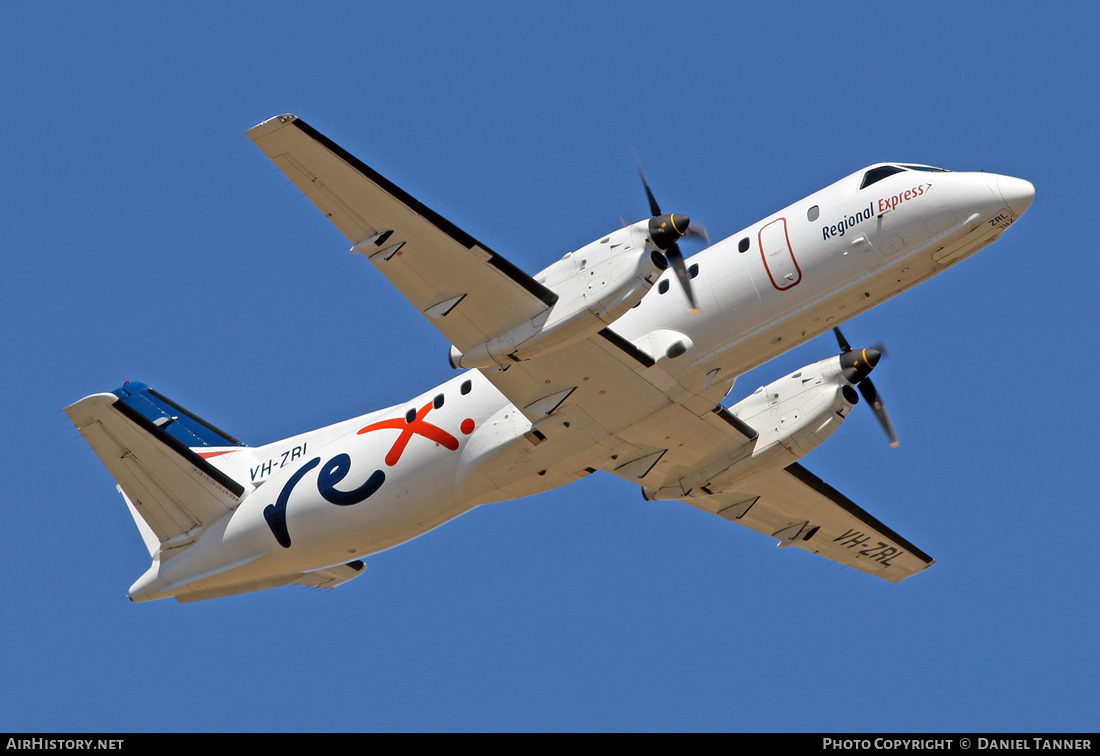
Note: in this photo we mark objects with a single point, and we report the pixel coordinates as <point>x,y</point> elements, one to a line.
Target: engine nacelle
<point>595,285</point>
<point>791,417</point>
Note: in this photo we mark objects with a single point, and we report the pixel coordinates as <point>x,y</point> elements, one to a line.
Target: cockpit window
<point>878,174</point>
<point>928,168</point>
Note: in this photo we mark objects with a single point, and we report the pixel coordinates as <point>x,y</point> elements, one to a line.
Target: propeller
<point>857,367</point>
<point>665,231</point>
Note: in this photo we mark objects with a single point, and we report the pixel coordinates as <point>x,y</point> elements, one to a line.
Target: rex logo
<point>337,468</point>
<point>414,424</point>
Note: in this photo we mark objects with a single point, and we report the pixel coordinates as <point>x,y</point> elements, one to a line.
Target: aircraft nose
<point>1017,193</point>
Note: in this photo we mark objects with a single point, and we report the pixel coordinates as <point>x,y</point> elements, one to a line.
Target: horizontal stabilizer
<point>330,577</point>
<point>233,590</point>
<point>145,441</point>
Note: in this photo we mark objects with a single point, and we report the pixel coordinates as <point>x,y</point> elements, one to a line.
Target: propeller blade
<point>654,208</point>
<point>856,367</point>
<point>696,230</point>
<point>676,260</point>
<point>881,346</point>
<point>874,401</point>
<point>672,252</point>
<point>844,345</point>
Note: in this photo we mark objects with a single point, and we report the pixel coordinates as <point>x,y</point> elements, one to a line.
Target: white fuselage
<point>800,273</point>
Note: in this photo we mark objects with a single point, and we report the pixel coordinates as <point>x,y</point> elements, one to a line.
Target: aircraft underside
<point>616,358</point>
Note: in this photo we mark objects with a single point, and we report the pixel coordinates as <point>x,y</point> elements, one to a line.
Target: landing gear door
<point>775,248</point>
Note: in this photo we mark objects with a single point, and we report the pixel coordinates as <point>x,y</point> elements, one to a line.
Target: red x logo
<point>408,428</point>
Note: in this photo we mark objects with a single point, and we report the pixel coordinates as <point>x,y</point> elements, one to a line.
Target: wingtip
<point>271,124</point>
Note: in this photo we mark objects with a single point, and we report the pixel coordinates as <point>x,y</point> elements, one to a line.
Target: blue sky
<point>144,238</point>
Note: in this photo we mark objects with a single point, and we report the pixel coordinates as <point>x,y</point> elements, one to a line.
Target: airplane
<point>615,358</point>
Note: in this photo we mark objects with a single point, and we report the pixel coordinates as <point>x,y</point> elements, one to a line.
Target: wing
<point>654,425</point>
<point>800,509</point>
<point>647,421</point>
<point>466,290</point>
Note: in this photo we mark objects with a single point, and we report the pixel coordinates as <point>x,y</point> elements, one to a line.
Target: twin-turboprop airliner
<point>615,358</point>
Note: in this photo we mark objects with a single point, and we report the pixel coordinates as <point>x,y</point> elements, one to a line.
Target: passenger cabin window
<point>466,386</point>
<point>743,245</point>
<point>662,287</point>
<point>693,271</point>
<point>878,174</point>
<point>813,213</point>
